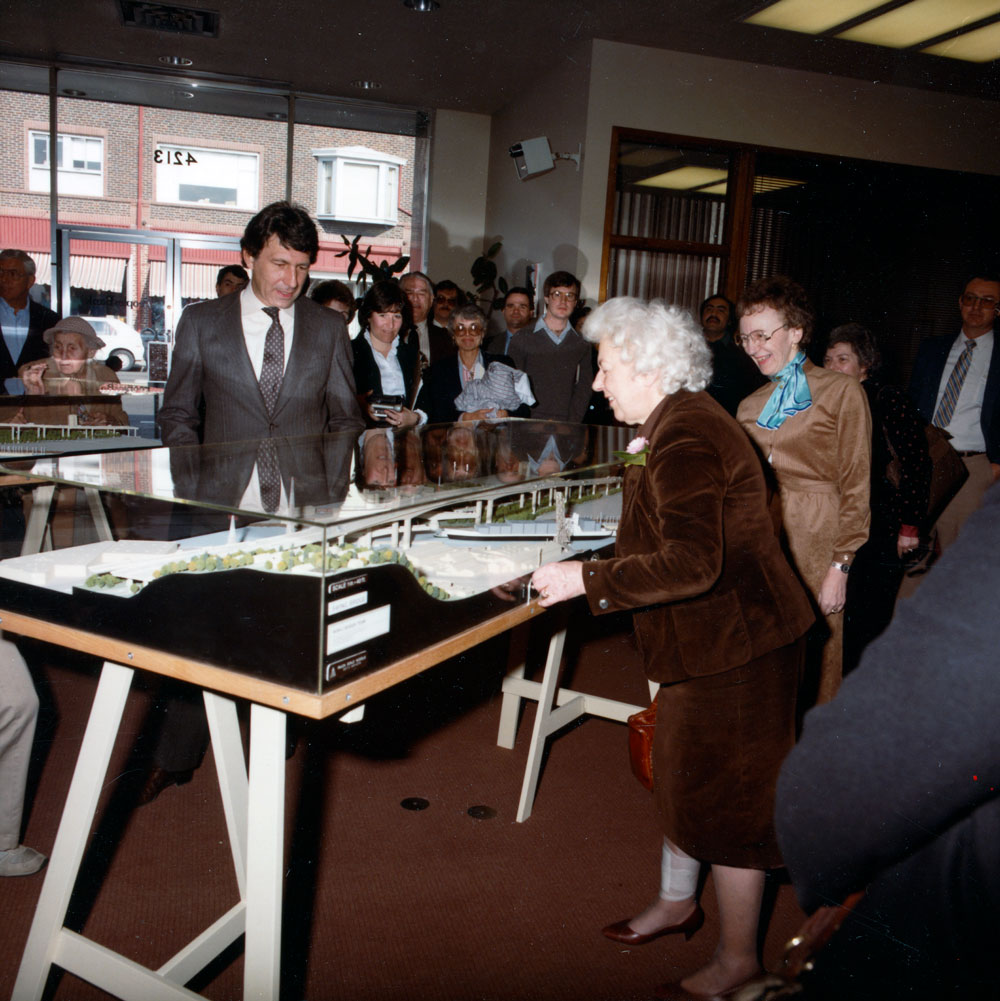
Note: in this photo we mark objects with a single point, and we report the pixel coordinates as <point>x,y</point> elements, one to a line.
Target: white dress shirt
<point>256,324</point>
<point>965,427</point>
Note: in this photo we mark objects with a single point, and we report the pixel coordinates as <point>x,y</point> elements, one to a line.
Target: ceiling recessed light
<point>979,46</point>
<point>425,6</point>
<point>810,16</point>
<point>685,178</point>
<point>73,93</point>
<point>186,94</point>
<point>916,22</point>
<point>366,84</point>
<point>176,61</point>
<point>277,116</point>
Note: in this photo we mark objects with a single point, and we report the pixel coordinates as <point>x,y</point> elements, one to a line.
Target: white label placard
<point>357,629</point>
<point>339,605</point>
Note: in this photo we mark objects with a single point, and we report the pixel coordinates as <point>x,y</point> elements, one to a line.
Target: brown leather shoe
<point>622,931</point>
<point>159,779</point>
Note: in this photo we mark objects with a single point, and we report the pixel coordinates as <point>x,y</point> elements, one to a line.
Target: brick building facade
<point>143,168</point>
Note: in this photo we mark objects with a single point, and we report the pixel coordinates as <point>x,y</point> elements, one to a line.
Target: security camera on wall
<point>532,157</point>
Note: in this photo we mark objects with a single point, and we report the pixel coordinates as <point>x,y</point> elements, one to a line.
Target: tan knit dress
<point>821,459</point>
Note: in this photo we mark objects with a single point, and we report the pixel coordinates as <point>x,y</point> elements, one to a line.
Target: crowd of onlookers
<point>428,387</point>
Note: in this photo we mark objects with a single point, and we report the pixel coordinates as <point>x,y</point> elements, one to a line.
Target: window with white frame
<point>79,161</point>
<point>357,184</point>
<point>193,175</point>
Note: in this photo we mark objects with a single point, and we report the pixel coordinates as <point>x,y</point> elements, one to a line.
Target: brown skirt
<point>719,743</point>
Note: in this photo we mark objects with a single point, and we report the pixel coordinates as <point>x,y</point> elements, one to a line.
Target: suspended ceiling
<point>470,55</point>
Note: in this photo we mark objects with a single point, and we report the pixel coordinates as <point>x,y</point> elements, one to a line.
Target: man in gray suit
<point>256,366</point>
<point>219,356</point>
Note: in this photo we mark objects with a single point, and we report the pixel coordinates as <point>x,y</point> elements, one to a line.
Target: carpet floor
<point>384,903</point>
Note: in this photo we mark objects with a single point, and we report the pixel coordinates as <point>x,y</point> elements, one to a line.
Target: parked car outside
<point>120,340</point>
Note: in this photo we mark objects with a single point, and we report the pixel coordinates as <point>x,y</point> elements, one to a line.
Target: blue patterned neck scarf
<point>790,396</point>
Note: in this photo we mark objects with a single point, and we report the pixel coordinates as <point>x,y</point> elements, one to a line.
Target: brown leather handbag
<point>641,726</point>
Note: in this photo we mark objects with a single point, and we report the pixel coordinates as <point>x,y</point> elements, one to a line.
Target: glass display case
<point>307,561</point>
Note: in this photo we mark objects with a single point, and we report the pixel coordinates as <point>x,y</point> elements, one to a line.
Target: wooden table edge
<point>350,692</point>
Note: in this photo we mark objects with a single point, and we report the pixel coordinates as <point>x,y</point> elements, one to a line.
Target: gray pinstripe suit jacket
<point>211,363</point>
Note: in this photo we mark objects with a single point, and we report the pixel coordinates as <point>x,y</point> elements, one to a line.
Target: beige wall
<point>695,95</point>
<point>460,155</point>
<point>538,219</point>
<point>557,219</point>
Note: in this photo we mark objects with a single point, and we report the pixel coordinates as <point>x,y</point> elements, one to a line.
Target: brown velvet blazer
<point>697,557</point>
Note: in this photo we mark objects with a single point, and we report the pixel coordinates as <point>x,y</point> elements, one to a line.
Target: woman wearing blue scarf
<point>813,427</point>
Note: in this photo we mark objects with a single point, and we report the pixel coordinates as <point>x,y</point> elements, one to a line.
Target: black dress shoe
<point>159,779</point>
<point>622,931</point>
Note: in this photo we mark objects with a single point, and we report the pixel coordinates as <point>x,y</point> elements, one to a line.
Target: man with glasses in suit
<point>956,385</point>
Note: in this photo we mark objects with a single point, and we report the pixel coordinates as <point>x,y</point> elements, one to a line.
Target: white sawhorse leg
<point>46,938</point>
<point>571,705</point>
<point>265,854</point>
<point>254,806</point>
<point>99,515</point>
<point>37,536</point>
<point>38,519</point>
<point>547,721</point>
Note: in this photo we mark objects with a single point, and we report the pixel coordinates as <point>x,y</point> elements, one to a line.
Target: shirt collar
<point>375,351</point>
<point>250,304</point>
<point>542,325</point>
<point>982,341</point>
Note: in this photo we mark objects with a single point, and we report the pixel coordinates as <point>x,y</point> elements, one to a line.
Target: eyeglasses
<point>473,328</point>
<point>970,300</point>
<point>567,296</point>
<point>453,299</point>
<point>757,337</point>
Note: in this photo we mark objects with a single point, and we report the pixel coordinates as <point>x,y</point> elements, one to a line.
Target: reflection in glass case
<point>306,561</point>
<point>56,422</point>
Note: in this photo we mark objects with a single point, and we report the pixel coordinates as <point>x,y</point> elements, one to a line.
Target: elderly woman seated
<point>71,371</point>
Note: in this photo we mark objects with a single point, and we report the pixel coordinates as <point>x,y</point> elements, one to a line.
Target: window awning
<point>104,274</point>
<point>197,280</point>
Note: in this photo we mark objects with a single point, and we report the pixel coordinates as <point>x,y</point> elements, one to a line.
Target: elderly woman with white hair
<point>719,618</point>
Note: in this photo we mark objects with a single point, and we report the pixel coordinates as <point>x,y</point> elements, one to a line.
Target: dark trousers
<point>872,586</point>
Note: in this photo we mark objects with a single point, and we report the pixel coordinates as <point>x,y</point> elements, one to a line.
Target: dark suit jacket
<point>443,382</point>
<point>441,343</point>
<point>926,379</point>
<point>893,789</point>
<point>316,468</point>
<point>368,379</point>
<point>497,343</point>
<point>734,375</point>
<point>697,557</point>
<point>40,319</point>
<point>210,362</point>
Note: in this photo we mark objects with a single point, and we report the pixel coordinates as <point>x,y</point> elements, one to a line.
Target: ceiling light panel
<point>684,178</point>
<point>917,21</point>
<point>979,46</point>
<point>811,16</point>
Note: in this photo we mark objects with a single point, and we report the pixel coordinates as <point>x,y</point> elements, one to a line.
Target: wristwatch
<point>842,567</point>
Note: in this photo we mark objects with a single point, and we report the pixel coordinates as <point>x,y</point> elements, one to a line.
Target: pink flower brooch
<point>635,452</point>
